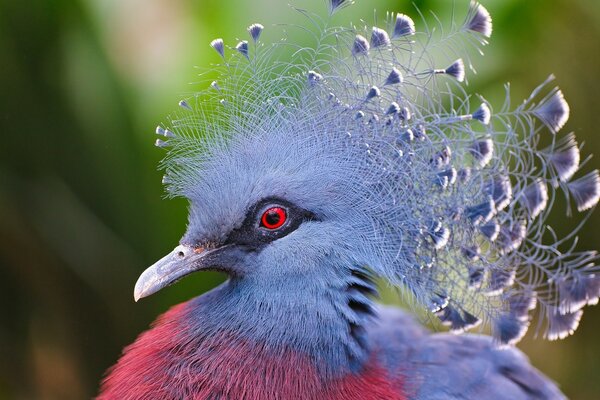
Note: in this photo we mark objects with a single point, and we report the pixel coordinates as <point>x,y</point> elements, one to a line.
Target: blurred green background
<point>83,83</point>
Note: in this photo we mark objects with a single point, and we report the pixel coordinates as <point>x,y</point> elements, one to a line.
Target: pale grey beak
<point>182,261</point>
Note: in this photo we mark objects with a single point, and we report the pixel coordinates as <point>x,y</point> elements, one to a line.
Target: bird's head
<point>284,202</point>
<point>304,165</point>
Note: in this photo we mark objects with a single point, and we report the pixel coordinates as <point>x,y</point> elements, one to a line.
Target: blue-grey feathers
<point>219,47</point>
<point>361,45</point>
<point>482,114</point>
<point>535,198</point>
<point>553,110</point>
<point>578,291</point>
<point>565,158</point>
<point>585,190</point>
<point>313,77</point>
<point>242,47</point>
<point>255,30</point>
<point>422,181</point>
<point>561,324</point>
<point>479,20</point>
<point>456,70</point>
<point>394,77</point>
<point>373,92</point>
<point>335,5</point>
<point>379,38</point>
<point>482,151</point>
<point>404,26</point>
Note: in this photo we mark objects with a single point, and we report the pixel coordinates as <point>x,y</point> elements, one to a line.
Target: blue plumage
<point>370,161</point>
<point>334,131</point>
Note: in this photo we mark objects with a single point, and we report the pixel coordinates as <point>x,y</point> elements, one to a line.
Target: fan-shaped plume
<point>585,190</point>
<point>255,30</point>
<point>404,26</point>
<point>219,47</point>
<point>490,230</point>
<point>500,279</point>
<point>361,45</point>
<point>184,104</point>
<point>565,159</point>
<point>164,132</point>
<point>476,277</point>
<point>578,291</point>
<point>479,20</point>
<point>561,325</point>
<point>535,198</point>
<point>439,235</point>
<point>482,151</point>
<point>471,252</point>
<point>161,143</point>
<point>379,38</point>
<point>407,136</point>
<point>457,321</point>
<point>242,47</point>
<point>373,92</point>
<point>509,329</point>
<point>335,5</point>
<point>437,302</point>
<point>511,237</point>
<point>521,304</point>
<point>394,108</point>
<point>215,86</point>
<point>500,190</point>
<point>553,110</point>
<point>444,199</point>
<point>455,70</point>
<point>482,114</point>
<point>481,212</point>
<point>394,77</point>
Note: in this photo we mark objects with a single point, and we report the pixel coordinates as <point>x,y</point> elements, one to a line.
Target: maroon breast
<point>166,363</point>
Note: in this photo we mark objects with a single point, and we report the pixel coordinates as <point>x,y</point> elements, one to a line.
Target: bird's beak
<point>183,260</point>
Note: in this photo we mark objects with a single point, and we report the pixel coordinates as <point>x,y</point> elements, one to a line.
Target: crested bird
<point>315,172</point>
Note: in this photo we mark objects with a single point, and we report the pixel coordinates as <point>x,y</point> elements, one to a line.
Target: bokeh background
<point>83,83</point>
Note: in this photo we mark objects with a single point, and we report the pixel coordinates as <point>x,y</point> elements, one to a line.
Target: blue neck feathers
<point>324,320</point>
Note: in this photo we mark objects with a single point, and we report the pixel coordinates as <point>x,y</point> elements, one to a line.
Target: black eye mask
<point>254,234</point>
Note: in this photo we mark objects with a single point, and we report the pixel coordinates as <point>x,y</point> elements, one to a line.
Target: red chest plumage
<point>160,364</point>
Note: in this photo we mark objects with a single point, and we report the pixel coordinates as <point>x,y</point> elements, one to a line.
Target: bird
<point>317,173</point>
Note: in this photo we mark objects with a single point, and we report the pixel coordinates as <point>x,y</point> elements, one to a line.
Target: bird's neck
<point>244,342</point>
<point>324,323</point>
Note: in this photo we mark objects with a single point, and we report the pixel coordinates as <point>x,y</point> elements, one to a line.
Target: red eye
<point>273,218</point>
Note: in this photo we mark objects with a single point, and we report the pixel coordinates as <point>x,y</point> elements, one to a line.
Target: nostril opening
<point>180,254</point>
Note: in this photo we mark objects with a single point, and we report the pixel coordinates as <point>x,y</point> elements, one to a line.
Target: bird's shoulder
<point>447,366</point>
